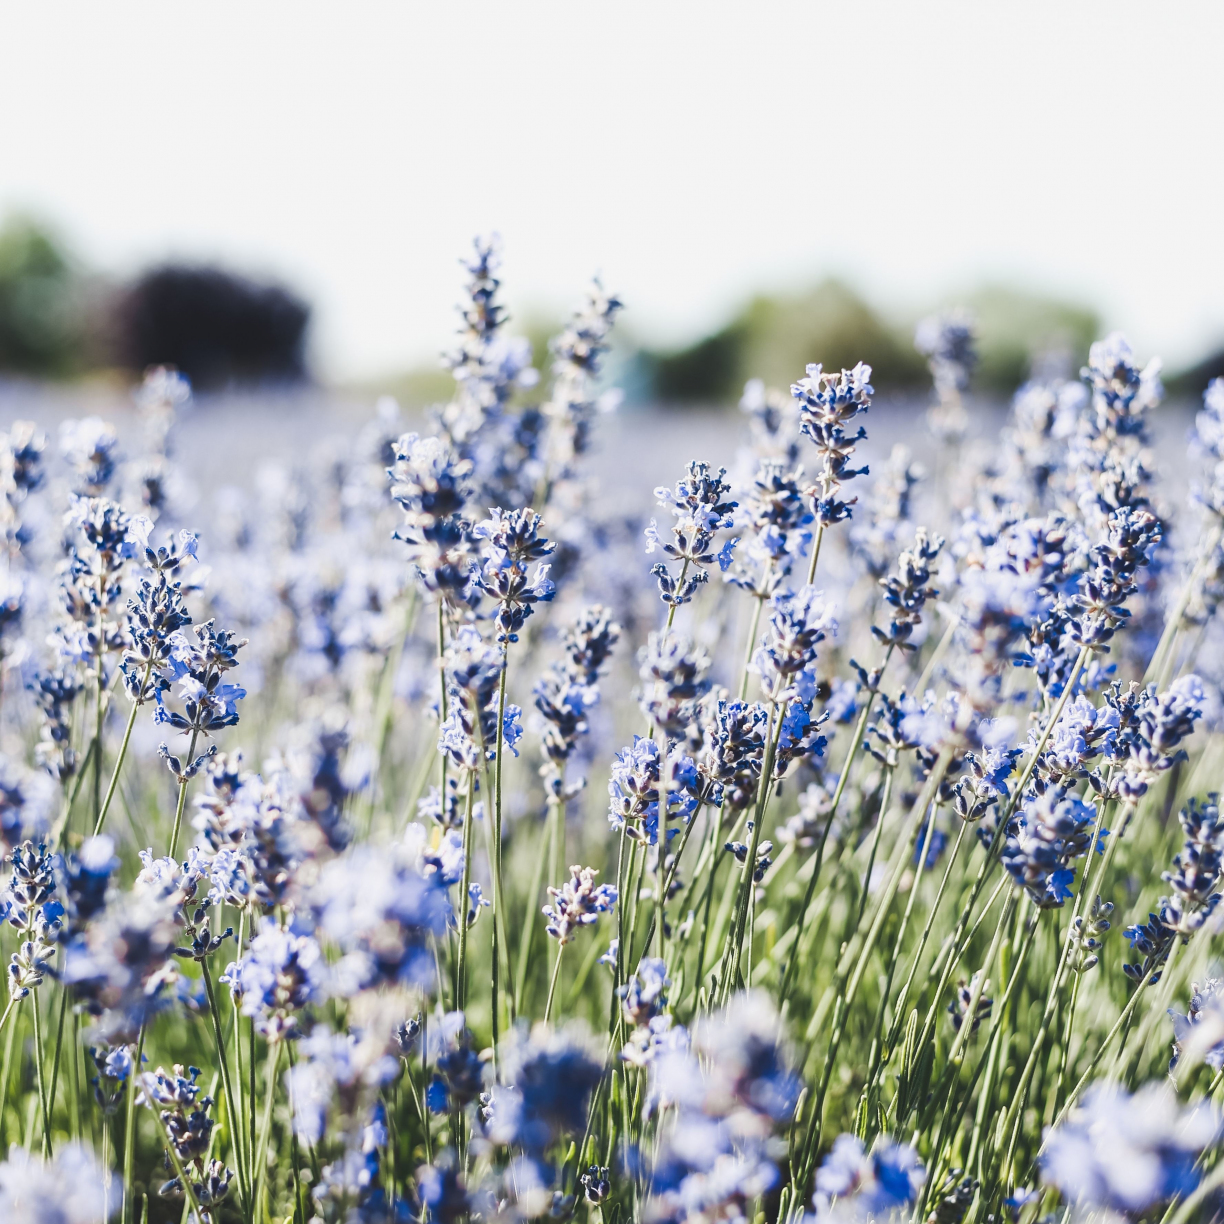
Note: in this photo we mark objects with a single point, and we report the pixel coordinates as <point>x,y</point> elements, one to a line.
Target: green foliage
<point>41,329</point>
<point>1015,329</point>
<point>773,336</point>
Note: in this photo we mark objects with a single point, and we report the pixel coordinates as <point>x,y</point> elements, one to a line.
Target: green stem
<point>860,730</point>
<point>661,851</point>
<point>8,1057</point>
<point>461,917</point>
<point>530,918</point>
<point>123,747</point>
<point>1131,1003</point>
<point>735,937</point>
<point>181,1173</point>
<point>59,1042</point>
<point>899,1009</point>
<point>265,1127</point>
<point>552,985</point>
<point>811,574</point>
<point>182,796</point>
<point>129,1133</point>
<point>42,1084</point>
<point>232,1115</point>
<point>99,708</point>
<point>894,957</point>
<point>498,870</point>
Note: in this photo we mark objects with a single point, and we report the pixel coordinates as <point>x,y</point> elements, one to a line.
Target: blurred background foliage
<point>60,320</point>
<point>775,337</point>
<point>42,327</point>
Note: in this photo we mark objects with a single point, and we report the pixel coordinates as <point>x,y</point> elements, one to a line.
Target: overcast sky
<point>690,152</point>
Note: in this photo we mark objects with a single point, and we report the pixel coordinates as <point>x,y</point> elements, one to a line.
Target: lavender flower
<point>644,995</point>
<point>282,972</point>
<point>1200,1027</point>
<point>71,1189</point>
<point>570,409</point>
<point>673,672</point>
<point>785,661</point>
<point>469,734</point>
<point>1087,935</point>
<point>91,448</point>
<point>947,341</point>
<point>958,1009</point>
<point>577,903</point>
<point>732,750</point>
<point>442,1192</point>
<point>381,911</point>
<point>25,800</point>
<point>548,1076</point>
<point>634,788</point>
<point>908,590</point>
<point>1128,1153</point>
<point>55,693</point>
<point>337,1072</point>
<point>827,403</point>
<point>868,1184</point>
<point>31,906</point>
<point>513,540</point>
<point>430,483</point>
<point>209,705</point>
<point>1196,871</point>
<point>1054,830</point>
<point>701,509</point>
<point>458,1069</point>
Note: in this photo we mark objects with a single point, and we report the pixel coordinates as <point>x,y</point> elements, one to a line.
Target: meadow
<point>435,825</point>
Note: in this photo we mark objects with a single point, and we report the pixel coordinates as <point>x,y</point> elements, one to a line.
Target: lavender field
<point>539,808</point>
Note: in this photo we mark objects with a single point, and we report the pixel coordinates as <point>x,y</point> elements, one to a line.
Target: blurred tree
<point>1019,333</point>
<point>41,326</point>
<point>774,338</point>
<point>215,326</point>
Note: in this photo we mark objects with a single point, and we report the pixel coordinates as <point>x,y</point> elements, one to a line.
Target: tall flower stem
<point>735,937</point>
<point>181,1174</point>
<point>959,941</point>
<point>59,1042</point>
<point>1020,1093</point>
<point>182,797</point>
<point>527,938</point>
<point>899,1007</point>
<point>492,827</point>
<point>661,851</point>
<point>860,729</point>
<point>7,1064</point>
<point>232,1115</point>
<point>753,626</point>
<point>552,985</point>
<point>123,747</point>
<point>849,981</point>
<point>40,1075</point>
<point>955,1054</point>
<point>99,704</point>
<point>1123,1017</point>
<point>895,954</point>
<point>265,1128</point>
<point>129,1133</point>
<point>498,874</point>
<point>816,542</point>
<point>556,856</point>
<point>461,916</point>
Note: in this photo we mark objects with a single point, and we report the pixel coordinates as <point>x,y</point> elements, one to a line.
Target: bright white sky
<point>691,152</point>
